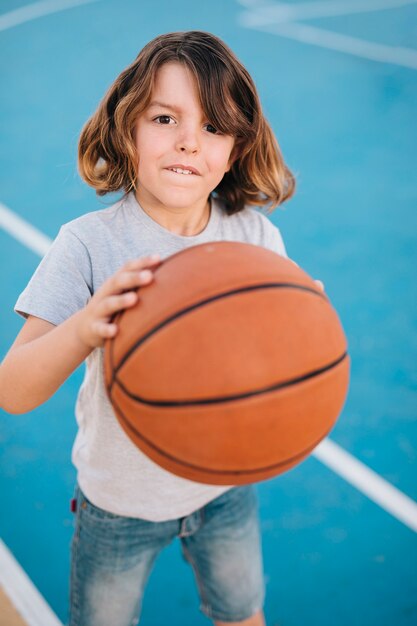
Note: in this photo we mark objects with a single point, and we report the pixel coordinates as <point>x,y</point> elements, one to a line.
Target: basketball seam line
<point>202,303</point>
<point>241,396</point>
<point>207,470</point>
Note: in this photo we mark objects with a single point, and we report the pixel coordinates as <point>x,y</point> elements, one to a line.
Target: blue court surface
<point>338,83</point>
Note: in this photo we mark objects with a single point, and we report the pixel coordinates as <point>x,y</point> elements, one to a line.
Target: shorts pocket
<point>85,506</point>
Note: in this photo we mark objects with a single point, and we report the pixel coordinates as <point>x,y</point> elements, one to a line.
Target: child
<point>181,132</point>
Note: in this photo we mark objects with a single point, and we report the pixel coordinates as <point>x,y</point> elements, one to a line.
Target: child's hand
<point>116,294</point>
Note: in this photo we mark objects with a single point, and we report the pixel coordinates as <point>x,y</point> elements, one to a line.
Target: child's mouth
<point>178,170</point>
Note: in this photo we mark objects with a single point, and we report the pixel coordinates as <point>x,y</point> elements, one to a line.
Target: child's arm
<point>44,355</point>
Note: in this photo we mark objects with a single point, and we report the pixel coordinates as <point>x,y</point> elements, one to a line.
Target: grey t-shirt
<point>112,472</point>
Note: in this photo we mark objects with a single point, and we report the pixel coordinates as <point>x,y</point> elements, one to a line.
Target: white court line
<point>329,453</point>
<point>265,13</point>
<point>368,482</point>
<point>22,592</point>
<point>278,20</point>
<point>24,232</point>
<point>37,9</point>
<point>406,57</point>
<point>13,579</point>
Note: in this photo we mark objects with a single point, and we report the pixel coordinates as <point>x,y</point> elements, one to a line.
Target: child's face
<point>174,135</point>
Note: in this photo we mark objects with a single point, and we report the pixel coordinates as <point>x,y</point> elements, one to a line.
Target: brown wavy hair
<point>107,156</point>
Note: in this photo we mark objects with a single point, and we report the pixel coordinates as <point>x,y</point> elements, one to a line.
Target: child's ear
<point>234,155</point>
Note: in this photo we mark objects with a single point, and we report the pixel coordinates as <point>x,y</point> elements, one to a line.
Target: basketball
<point>230,368</point>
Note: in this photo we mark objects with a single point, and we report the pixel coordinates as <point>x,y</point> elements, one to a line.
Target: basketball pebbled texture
<point>231,367</point>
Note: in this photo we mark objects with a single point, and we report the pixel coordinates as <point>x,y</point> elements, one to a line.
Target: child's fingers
<point>113,304</point>
<point>125,280</point>
<point>320,284</point>
<point>130,280</point>
<point>116,294</point>
<point>104,330</point>
<point>136,270</point>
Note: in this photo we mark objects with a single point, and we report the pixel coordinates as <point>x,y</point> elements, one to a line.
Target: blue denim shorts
<point>112,557</point>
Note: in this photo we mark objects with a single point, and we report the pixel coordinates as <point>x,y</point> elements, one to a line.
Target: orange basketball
<point>231,367</point>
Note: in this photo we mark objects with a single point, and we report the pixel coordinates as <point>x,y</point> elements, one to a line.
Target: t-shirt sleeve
<point>61,284</point>
<point>275,241</point>
<point>271,236</point>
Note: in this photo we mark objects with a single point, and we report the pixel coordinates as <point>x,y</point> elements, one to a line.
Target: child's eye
<point>165,121</point>
<point>164,118</point>
<point>212,130</point>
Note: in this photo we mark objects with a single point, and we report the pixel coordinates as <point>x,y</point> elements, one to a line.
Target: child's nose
<point>187,140</point>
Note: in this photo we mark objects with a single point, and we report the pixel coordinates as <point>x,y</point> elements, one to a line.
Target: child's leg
<point>111,560</point>
<point>255,620</point>
<point>226,555</point>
